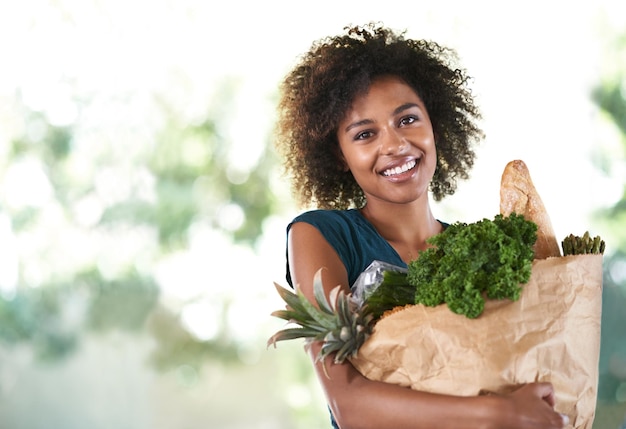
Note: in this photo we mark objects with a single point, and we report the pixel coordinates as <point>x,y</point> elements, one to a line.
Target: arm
<point>357,402</point>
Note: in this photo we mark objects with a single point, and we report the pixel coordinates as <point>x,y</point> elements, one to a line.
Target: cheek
<point>359,160</point>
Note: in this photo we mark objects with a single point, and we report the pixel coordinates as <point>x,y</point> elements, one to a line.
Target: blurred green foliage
<point>185,179</point>
<point>610,96</point>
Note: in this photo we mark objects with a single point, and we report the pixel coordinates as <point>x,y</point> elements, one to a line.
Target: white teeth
<point>401,169</point>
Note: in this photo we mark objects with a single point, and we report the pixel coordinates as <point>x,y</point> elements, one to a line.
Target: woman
<point>370,123</point>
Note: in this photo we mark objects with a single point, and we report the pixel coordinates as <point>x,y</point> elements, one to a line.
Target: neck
<point>405,226</point>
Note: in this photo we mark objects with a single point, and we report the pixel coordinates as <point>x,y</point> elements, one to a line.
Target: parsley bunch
<point>467,263</point>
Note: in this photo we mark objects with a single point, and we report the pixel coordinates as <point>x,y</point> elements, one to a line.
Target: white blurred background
<point>120,78</point>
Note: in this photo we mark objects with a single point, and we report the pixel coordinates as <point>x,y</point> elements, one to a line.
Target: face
<point>387,142</point>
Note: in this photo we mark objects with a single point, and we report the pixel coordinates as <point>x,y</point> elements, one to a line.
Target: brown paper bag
<point>552,333</point>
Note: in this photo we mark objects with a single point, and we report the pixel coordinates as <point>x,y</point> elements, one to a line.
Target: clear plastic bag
<point>369,280</point>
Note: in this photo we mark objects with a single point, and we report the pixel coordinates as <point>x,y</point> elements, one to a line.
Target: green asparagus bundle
<point>575,245</point>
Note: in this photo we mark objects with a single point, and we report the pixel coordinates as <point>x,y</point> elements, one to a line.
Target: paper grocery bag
<point>552,333</point>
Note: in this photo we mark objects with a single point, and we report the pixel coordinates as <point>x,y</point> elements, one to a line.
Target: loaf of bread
<point>518,194</point>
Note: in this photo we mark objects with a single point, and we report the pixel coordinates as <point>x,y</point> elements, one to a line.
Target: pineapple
<point>340,324</point>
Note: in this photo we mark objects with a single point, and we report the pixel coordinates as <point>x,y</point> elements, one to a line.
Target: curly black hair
<point>320,90</point>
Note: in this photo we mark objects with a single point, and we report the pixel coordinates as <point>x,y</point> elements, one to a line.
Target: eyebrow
<point>358,124</point>
<point>397,110</point>
<point>404,107</point>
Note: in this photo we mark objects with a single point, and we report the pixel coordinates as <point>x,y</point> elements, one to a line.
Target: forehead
<point>384,92</point>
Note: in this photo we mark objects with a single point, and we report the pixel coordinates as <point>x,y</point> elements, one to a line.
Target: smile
<point>400,169</point>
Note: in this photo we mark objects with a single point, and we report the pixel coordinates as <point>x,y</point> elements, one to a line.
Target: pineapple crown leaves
<point>337,322</point>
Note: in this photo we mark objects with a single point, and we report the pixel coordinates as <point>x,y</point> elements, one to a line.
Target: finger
<point>546,391</point>
<point>550,399</point>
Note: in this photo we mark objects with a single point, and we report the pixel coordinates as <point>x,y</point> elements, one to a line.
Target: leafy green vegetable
<point>469,261</point>
<point>394,291</point>
<point>466,263</point>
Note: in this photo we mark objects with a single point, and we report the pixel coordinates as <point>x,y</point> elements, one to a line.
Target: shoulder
<point>318,238</point>
<point>340,228</point>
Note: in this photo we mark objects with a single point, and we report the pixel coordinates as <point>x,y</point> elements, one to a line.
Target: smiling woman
<point>402,122</point>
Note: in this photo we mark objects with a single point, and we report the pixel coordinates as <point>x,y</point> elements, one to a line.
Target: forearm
<point>380,404</point>
<point>359,403</point>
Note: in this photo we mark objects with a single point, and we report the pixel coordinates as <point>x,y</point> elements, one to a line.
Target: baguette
<point>519,195</point>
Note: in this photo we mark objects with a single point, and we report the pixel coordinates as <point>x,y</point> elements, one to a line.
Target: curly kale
<point>467,262</point>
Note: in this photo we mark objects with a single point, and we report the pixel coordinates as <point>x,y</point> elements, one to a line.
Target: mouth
<point>394,171</point>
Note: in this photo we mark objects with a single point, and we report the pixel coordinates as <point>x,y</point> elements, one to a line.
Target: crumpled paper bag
<point>552,333</point>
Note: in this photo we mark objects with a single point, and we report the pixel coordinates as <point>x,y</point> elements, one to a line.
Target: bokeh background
<point>143,210</point>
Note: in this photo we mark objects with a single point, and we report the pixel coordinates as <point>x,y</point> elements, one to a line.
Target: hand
<point>532,406</point>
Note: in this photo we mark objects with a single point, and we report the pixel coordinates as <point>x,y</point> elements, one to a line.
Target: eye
<point>363,135</point>
<point>408,120</point>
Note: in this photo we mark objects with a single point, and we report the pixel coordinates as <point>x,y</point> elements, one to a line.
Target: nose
<point>393,143</point>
